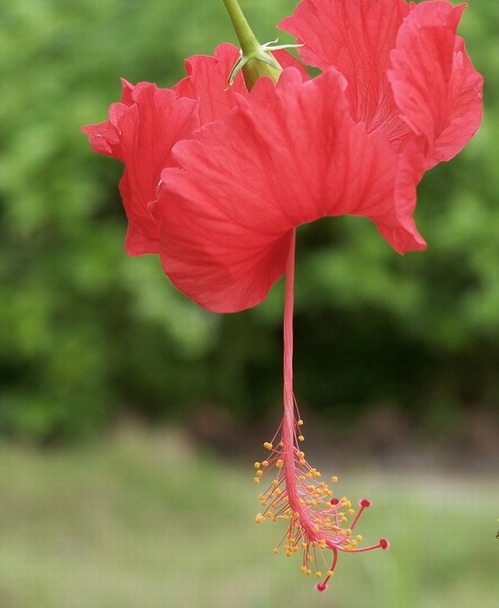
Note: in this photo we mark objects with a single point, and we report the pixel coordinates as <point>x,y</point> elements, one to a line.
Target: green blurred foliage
<point>86,333</point>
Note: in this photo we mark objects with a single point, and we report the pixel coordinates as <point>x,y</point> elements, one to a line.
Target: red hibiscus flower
<point>397,95</point>
<point>217,179</point>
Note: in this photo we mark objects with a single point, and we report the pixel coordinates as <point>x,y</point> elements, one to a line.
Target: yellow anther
<point>309,558</point>
<point>334,479</point>
<point>275,483</point>
<point>267,445</point>
<point>309,572</point>
<point>354,543</point>
<point>299,422</point>
<point>301,477</point>
<point>279,464</point>
<point>265,463</point>
<point>322,543</point>
<point>318,575</point>
<point>304,546</point>
<point>301,438</point>
<point>256,480</point>
<point>304,569</point>
<point>343,532</point>
<point>349,531</point>
<point>257,465</point>
<point>301,454</point>
<point>301,501</point>
<point>316,528</point>
<point>330,573</point>
<point>351,512</point>
<point>358,538</point>
<point>276,551</point>
<point>270,515</point>
<point>281,444</point>
<point>259,518</point>
<point>259,473</point>
<point>317,474</point>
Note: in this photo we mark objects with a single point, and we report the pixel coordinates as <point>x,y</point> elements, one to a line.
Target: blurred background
<point>130,418</point>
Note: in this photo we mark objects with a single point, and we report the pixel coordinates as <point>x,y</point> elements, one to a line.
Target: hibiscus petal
<point>355,37</point>
<point>435,86</point>
<point>206,81</point>
<point>288,154</point>
<point>104,137</point>
<point>149,129</point>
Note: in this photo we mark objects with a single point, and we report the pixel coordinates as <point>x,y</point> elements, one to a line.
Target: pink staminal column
<point>316,519</point>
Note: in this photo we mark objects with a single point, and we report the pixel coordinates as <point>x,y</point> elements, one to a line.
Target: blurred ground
<point>145,519</point>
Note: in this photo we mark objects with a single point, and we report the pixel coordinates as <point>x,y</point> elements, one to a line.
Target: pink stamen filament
<point>314,518</point>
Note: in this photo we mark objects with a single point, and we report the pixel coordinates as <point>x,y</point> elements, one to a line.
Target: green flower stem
<point>256,60</point>
<point>247,40</point>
